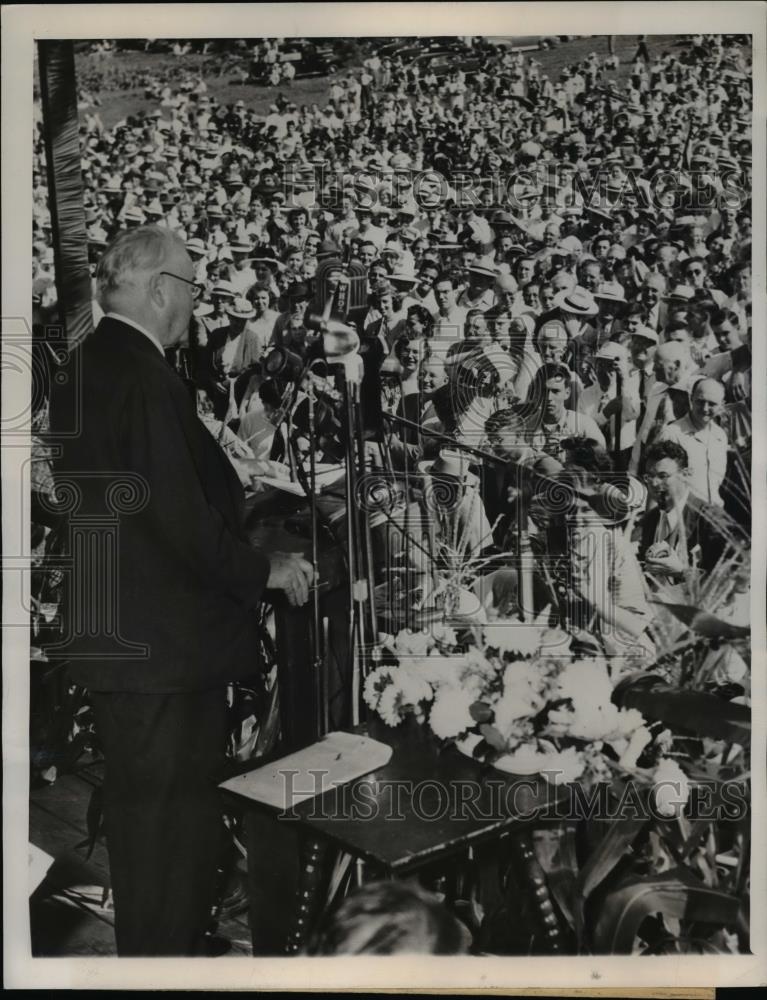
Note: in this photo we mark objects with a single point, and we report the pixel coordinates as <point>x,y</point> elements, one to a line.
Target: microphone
<point>284,364</point>
<point>341,346</point>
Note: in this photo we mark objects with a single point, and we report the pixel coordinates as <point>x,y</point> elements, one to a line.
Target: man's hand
<point>661,558</point>
<point>291,573</point>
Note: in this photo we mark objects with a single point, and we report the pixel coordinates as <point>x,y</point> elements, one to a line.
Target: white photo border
<point>22,26</point>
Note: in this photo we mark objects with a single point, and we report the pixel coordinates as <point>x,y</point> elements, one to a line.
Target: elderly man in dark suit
<point>183,586</point>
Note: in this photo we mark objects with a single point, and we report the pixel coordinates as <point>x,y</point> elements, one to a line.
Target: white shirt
<point>671,529</point>
<point>139,327</point>
<point>449,328</point>
<point>548,437</point>
<point>592,402</point>
<point>706,448</point>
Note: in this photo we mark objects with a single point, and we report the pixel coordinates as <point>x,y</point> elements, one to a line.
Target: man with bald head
<point>703,439</point>
<point>668,398</point>
<point>651,299</point>
<point>177,596</point>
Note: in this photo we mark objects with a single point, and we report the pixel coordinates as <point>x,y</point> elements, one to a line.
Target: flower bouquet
<point>515,696</point>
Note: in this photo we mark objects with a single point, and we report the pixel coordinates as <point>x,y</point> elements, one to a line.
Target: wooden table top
<point>425,804</point>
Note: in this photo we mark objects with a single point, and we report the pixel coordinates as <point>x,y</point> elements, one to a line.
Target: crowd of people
<point>555,269</point>
<point>544,283</point>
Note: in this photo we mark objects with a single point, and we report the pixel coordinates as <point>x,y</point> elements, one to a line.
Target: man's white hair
<point>133,253</point>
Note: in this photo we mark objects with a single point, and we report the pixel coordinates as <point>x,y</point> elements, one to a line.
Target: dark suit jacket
<point>704,525</point>
<point>187,582</point>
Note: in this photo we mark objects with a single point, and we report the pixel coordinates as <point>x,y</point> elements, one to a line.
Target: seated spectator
<point>681,532</point>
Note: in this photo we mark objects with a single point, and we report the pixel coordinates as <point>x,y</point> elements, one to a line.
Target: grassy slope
<point>117,104</point>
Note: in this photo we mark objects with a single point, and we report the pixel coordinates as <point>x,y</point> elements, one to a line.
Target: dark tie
<point>642,396</point>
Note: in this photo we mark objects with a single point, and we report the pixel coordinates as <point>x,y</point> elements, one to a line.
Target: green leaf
<point>686,711</point>
<point>493,737</point>
<point>481,712</point>
<point>562,873</point>
<point>673,894</point>
<point>620,835</point>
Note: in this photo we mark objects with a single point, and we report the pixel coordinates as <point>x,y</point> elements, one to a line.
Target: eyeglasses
<point>659,477</point>
<point>197,289</point>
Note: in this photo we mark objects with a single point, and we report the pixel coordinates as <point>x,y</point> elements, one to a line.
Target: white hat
<point>224,289</point>
<point>647,333</point>
<point>449,463</point>
<point>610,291</point>
<point>196,246</point>
<point>241,309</point>
<point>683,292</point>
<point>483,270</point>
<point>577,301</point>
<point>134,215</point>
<point>613,351</point>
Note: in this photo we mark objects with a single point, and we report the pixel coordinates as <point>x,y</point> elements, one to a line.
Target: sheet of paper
<point>336,759</point>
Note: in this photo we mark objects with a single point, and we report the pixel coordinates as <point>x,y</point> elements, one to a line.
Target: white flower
<point>557,766</point>
<point>375,683</point>
<point>525,760</point>
<point>443,634</point>
<point>514,636</point>
<point>414,689</point>
<point>511,707</point>
<point>639,740</point>
<point>522,695</point>
<point>671,789</point>
<point>389,706</point>
<point>394,693</point>
<point>477,675</point>
<point>411,664</point>
<point>555,642</point>
<point>629,720</point>
<point>563,767</point>
<point>593,716</point>
<point>521,674</point>
<point>413,643</point>
<point>450,715</point>
<point>437,669</point>
<point>586,679</point>
<point>467,744</point>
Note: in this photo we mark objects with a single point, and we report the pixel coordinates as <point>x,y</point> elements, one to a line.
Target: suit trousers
<point>164,754</point>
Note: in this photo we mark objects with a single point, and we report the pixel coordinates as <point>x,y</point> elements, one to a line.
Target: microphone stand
<point>618,419</point>
<point>320,665</point>
<point>525,555</point>
<point>358,576</point>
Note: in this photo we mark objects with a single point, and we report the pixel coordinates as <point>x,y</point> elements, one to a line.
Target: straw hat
<point>224,290</point>
<point>647,333</point>
<point>577,301</point>
<point>241,309</point>
<point>483,271</point>
<point>449,463</point>
<point>681,293</point>
<point>610,291</point>
<point>196,246</point>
